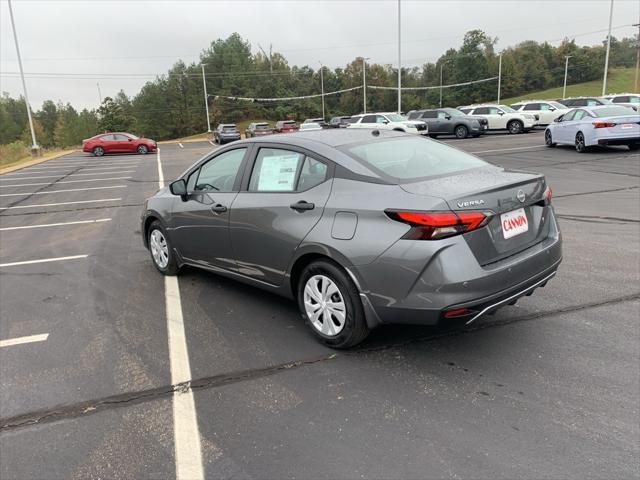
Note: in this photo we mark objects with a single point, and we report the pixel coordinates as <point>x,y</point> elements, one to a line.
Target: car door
<point>444,123</point>
<point>282,199</point>
<point>561,131</point>
<point>200,220</point>
<point>533,109</point>
<point>573,126</point>
<point>547,114</point>
<point>491,114</point>
<point>123,143</point>
<point>108,143</point>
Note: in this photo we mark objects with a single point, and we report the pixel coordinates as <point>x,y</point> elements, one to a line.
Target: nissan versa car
<point>361,227</point>
<point>226,132</point>
<point>601,125</point>
<point>118,142</point>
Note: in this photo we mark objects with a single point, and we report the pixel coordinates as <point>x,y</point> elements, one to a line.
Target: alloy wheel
<point>142,149</point>
<point>159,248</point>
<point>324,305</point>
<point>580,147</point>
<point>515,127</point>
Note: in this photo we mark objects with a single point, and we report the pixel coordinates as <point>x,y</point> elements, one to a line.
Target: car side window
<point>494,111</point>
<point>121,137</point>
<point>219,174</point>
<point>567,117</point>
<point>191,180</point>
<point>380,119</point>
<point>622,99</point>
<point>545,107</point>
<point>592,103</point>
<point>275,170</point>
<point>107,138</point>
<point>442,115</point>
<point>532,106</point>
<point>313,173</point>
<point>368,119</point>
<point>579,115</point>
<point>481,111</point>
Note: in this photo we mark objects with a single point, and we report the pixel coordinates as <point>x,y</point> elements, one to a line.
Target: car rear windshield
<point>262,126</point>
<point>408,159</point>
<point>229,128</point>
<point>289,122</point>
<point>613,111</point>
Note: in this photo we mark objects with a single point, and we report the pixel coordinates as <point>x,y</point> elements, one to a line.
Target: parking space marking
<point>187,445</point>
<point>72,175</point>
<point>60,224</point>
<point>509,149</point>
<point>20,340</point>
<point>181,146</point>
<point>65,181</point>
<point>212,143</point>
<point>62,203</point>
<point>62,191</point>
<point>63,172</point>
<point>72,165</point>
<point>43,260</point>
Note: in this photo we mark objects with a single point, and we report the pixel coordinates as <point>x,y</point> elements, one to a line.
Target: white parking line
<point>187,445</point>
<point>181,146</point>
<point>72,165</point>
<point>64,181</point>
<point>77,222</point>
<point>62,203</point>
<point>62,172</point>
<point>20,340</point>
<point>72,175</point>
<point>508,149</point>
<point>61,191</point>
<point>212,143</point>
<point>43,260</point>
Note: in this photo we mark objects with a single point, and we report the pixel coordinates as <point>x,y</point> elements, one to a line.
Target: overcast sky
<point>138,39</point>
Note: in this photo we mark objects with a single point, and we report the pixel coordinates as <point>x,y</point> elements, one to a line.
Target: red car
<point>286,126</point>
<point>118,142</point>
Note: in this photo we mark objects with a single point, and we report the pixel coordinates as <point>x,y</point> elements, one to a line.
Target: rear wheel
<point>142,149</point>
<point>329,302</point>
<point>548,141</point>
<point>461,131</point>
<point>515,126</point>
<point>580,145</point>
<point>161,252</point>
<point>98,151</point>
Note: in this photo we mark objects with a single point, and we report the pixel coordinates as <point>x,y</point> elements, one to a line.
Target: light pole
<point>34,147</point>
<point>499,76</point>
<point>322,87</point>
<point>566,70</point>
<point>364,83</point>
<point>635,83</point>
<point>399,62</point>
<point>99,92</point>
<point>206,99</point>
<point>606,57</point>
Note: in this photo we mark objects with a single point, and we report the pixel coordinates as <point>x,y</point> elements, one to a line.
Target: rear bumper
<point>618,141</point>
<point>416,282</point>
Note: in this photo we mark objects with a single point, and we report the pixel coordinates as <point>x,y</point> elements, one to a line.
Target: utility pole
<point>635,83</point>
<point>99,92</point>
<point>364,83</point>
<point>399,61</point>
<point>566,70</point>
<point>206,98</point>
<point>499,76</point>
<point>268,56</point>
<point>35,150</point>
<point>606,58</point>
<point>441,67</point>
<point>322,87</point>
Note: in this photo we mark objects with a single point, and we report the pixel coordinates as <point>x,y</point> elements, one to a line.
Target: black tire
<point>461,132</point>
<point>98,151</point>
<point>433,135</point>
<point>171,267</point>
<point>515,127</point>
<point>142,149</point>
<point>634,146</point>
<point>548,141</point>
<point>355,328</point>
<point>580,146</point>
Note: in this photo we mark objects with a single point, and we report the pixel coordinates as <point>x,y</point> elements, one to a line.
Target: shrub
<point>13,152</point>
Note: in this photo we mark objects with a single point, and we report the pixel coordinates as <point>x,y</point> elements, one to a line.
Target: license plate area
<point>625,126</point>
<point>514,223</point>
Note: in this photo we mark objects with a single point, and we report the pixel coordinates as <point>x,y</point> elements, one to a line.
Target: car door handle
<point>302,205</point>
<point>218,208</point>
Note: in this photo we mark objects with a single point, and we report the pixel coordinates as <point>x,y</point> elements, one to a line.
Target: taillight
<point>548,193</point>
<point>437,225</point>
<point>600,124</point>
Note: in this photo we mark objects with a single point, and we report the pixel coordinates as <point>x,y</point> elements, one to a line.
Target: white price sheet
<point>278,173</point>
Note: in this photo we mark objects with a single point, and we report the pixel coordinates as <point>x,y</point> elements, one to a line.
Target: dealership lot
<point>546,388</point>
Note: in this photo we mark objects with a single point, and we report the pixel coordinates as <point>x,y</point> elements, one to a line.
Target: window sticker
<point>278,173</point>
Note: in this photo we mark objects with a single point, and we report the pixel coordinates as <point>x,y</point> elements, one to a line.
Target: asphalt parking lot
<point>548,388</point>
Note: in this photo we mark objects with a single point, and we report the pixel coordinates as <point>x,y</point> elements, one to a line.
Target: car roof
<point>333,137</point>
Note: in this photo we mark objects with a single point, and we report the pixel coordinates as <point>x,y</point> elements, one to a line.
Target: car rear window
<point>409,159</point>
<point>613,111</point>
<point>229,128</point>
<point>262,126</point>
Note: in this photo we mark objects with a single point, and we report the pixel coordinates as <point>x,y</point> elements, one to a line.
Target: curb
<point>35,161</point>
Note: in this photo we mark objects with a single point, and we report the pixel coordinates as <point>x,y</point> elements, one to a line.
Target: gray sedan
<point>450,121</point>
<point>360,227</point>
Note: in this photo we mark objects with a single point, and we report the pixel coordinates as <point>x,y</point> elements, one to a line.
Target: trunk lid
<point>493,189</point>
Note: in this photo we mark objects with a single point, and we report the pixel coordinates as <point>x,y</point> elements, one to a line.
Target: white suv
<point>502,117</point>
<point>627,99</point>
<point>390,121</point>
<point>546,110</point>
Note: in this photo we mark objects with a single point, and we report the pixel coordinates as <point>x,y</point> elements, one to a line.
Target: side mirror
<point>130,139</point>
<point>448,117</point>
<point>179,187</point>
<point>500,113</point>
<point>386,122</point>
<point>552,109</point>
<point>558,119</point>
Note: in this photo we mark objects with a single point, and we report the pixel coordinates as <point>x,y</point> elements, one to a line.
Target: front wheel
<point>580,144</point>
<point>98,151</point>
<point>329,302</point>
<point>515,126</point>
<point>162,255</point>
<point>142,149</point>
<point>461,132</point>
<point>548,141</point>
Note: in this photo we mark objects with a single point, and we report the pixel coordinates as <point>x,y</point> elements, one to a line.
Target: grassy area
<point>620,80</point>
<point>12,156</point>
